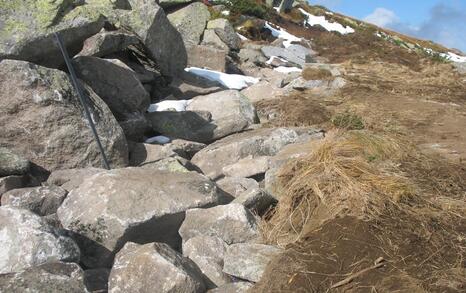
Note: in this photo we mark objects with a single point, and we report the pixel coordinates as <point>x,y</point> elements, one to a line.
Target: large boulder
<point>296,54</point>
<point>236,287</point>
<point>235,186</point>
<point>27,27</point>
<point>134,204</point>
<point>70,179</point>
<point>208,253</point>
<point>16,181</point>
<point>54,277</point>
<point>41,104</point>
<point>190,21</point>
<point>211,39</point>
<point>225,31</point>
<point>12,164</point>
<point>228,151</point>
<point>42,200</point>
<point>107,42</point>
<point>171,3</point>
<point>257,200</point>
<point>96,280</point>
<point>115,83</point>
<point>248,260</point>
<point>232,223</point>
<point>27,240</point>
<point>163,42</point>
<point>207,57</point>
<point>154,267</point>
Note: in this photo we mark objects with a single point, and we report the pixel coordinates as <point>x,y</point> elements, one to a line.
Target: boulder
<point>460,67</point>
<point>207,57</point>
<point>296,54</point>
<point>143,153</point>
<point>263,90</point>
<point>159,269</point>
<point>54,277</point>
<point>16,181</point>
<point>115,83</point>
<point>229,150</point>
<point>235,186</point>
<point>27,240</point>
<point>107,42</point>
<point>207,253</point>
<point>170,3</point>
<point>40,103</point>
<point>96,280</point>
<point>183,89</point>
<point>225,32</point>
<point>12,164</point>
<point>254,56</point>
<point>256,200</point>
<point>27,28</point>
<point>190,21</point>
<point>134,204</point>
<point>236,287</point>
<point>173,164</point>
<point>70,179</point>
<point>185,148</point>
<point>248,260</point>
<point>163,42</point>
<point>135,126</point>
<point>43,200</point>
<point>211,39</point>
<point>232,223</point>
<point>247,167</point>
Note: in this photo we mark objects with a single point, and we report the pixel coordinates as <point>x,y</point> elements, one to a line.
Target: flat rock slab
<point>190,21</point>
<point>132,204</point>
<point>237,287</point>
<point>232,223</point>
<point>27,240</point>
<point>248,261</point>
<point>257,200</point>
<point>235,186</point>
<point>70,179</point>
<point>107,42</point>
<point>154,267</point>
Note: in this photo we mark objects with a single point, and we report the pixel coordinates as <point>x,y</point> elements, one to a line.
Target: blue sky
<point>442,21</point>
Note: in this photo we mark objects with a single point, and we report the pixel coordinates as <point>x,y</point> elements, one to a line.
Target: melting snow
<point>284,69</point>
<point>329,26</point>
<point>231,81</point>
<point>159,139</point>
<point>225,12</point>
<point>243,38</point>
<point>454,57</point>
<point>282,34</point>
<point>169,105</point>
<point>273,58</point>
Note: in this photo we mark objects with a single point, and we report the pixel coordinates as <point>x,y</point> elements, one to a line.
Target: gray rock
<point>182,89</point>
<point>173,164</point>
<point>247,167</point>
<point>302,84</point>
<point>27,240</point>
<point>135,126</point>
<point>12,164</point>
<point>227,151</point>
<point>237,287</point>
<point>248,261</point>
<point>208,253</point>
<point>207,57</point>
<point>169,3</point>
<point>14,181</point>
<point>96,280</point>
<point>163,42</point>
<point>254,56</point>
<point>40,103</point>
<point>27,28</point>
<point>70,179</point>
<point>190,21</point>
<point>160,269</point>
<point>232,223</point>
<point>43,200</point>
<point>142,153</point>
<point>211,39</point>
<point>460,67</point>
<point>54,277</point>
<point>225,32</point>
<point>115,83</point>
<point>132,204</point>
<point>296,54</point>
<point>107,42</point>
<point>257,200</point>
<point>235,186</point>
<point>185,148</point>
<point>263,90</point>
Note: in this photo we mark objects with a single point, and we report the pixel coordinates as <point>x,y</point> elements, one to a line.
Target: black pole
<point>77,86</point>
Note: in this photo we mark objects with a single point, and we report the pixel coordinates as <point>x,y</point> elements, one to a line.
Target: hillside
<point>227,146</point>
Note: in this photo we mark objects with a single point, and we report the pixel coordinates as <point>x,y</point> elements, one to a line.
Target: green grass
<point>348,121</point>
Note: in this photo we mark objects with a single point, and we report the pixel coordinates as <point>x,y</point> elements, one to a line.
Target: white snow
<point>169,105</point>
<point>454,57</point>
<point>328,13</point>
<point>282,34</point>
<point>284,69</point>
<point>226,12</point>
<point>273,58</point>
<point>243,38</point>
<point>159,139</point>
<point>329,26</point>
<point>231,81</point>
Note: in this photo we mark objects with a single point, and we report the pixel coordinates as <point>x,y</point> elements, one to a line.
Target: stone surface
<point>163,42</point>
<point>254,56</point>
<point>232,223</point>
<point>169,3</point>
<point>115,83</point>
<point>296,54</point>
<point>248,261</point>
<point>54,277</point>
<point>70,179</point>
<point>40,103</point>
<point>460,67</point>
<point>257,200</point>
<point>96,280</point>
<point>208,253</point>
<point>173,164</point>
<point>135,126</point>
<point>43,200</point>
<point>133,204</point>
<point>183,89</point>
<point>263,90</point>
<point>27,240</point>
<point>227,151</point>
<point>225,32</point>
<point>12,164</point>
<point>237,287</point>
<point>207,57</point>
<point>27,28</point>
<point>235,186</point>
<point>107,42</point>
<point>247,167</point>
<point>190,21</point>
<point>159,269</point>
<point>14,181</point>
<point>211,39</point>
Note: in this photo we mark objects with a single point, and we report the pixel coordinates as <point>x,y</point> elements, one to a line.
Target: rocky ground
<point>249,151</point>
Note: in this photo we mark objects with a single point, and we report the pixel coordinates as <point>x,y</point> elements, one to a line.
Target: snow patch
<point>313,20</point>
<point>284,69</point>
<point>225,12</point>
<point>242,38</point>
<point>272,58</point>
<point>231,81</point>
<point>159,139</point>
<point>282,34</point>
<point>454,57</point>
<point>169,105</point>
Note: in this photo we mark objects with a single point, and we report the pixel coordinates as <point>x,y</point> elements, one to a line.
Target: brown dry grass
<point>310,73</point>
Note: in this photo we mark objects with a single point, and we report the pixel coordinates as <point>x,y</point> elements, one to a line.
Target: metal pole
<point>77,86</point>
